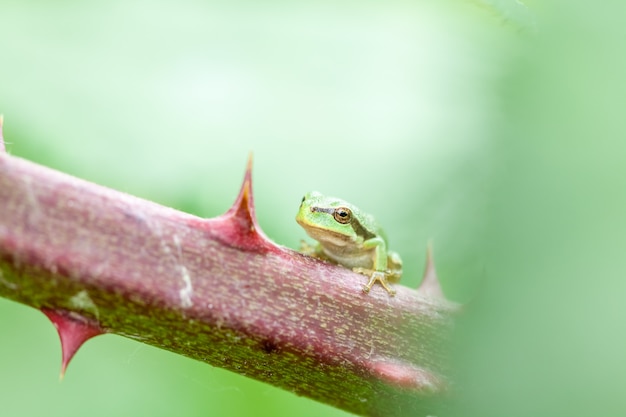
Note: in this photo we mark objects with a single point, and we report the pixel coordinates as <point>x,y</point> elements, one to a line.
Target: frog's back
<point>368,223</point>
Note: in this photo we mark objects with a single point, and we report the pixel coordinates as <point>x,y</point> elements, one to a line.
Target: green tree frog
<point>348,237</point>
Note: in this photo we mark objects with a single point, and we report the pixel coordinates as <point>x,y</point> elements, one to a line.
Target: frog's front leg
<point>314,251</point>
<point>307,249</point>
<point>379,265</point>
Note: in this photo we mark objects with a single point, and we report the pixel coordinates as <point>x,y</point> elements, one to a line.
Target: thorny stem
<point>219,291</point>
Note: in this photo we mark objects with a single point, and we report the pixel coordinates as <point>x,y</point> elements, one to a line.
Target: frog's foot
<point>307,249</point>
<point>393,275</point>
<point>375,276</point>
<point>313,251</point>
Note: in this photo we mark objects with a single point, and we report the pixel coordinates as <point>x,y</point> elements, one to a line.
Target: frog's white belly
<point>342,249</point>
<point>351,257</point>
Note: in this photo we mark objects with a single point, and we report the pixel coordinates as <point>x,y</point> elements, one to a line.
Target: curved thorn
<point>430,285</point>
<point>73,331</point>
<point>240,225</point>
<point>243,206</point>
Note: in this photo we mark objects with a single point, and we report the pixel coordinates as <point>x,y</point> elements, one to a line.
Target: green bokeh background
<point>497,129</point>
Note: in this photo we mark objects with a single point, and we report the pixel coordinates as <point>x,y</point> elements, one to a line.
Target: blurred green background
<point>494,128</point>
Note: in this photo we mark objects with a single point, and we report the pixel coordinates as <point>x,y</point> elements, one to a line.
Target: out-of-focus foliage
<point>546,333</point>
<point>494,128</point>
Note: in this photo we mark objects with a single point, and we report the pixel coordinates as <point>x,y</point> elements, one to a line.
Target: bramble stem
<point>219,291</point>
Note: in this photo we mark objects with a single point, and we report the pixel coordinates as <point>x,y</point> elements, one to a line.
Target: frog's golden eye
<point>343,215</point>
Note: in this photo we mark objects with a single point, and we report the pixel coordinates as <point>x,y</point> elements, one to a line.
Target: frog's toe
<point>385,283</point>
<point>306,249</point>
<point>382,278</point>
<point>390,290</point>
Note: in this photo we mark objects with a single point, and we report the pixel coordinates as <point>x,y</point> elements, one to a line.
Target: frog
<point>349,237</point>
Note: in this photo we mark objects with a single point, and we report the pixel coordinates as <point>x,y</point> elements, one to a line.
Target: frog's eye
<point>343,215</point>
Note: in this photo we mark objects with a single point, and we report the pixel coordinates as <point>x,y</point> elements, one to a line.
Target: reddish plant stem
<point>219,291</point>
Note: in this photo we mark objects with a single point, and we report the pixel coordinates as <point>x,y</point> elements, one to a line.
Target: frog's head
<point>329,219</point>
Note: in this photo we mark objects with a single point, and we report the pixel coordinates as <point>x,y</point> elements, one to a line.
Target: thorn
<point>73,331</point>
<point>430,286</point>
<point>244,204</point>
<point>407,376</point>
<point>239,223</point>
<point>2,147</point>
